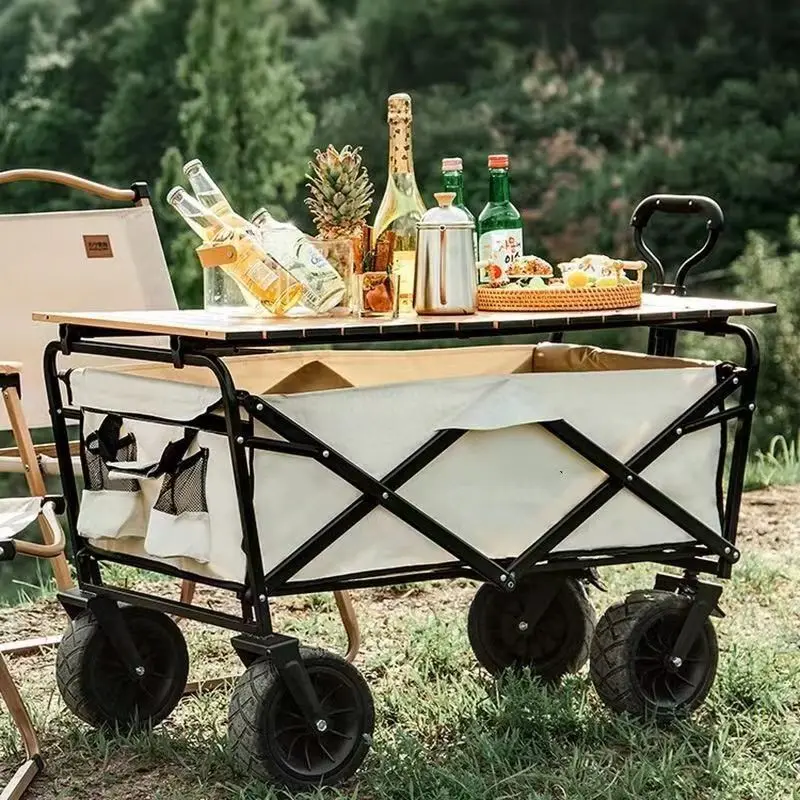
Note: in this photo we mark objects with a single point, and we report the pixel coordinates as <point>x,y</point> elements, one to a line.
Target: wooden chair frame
<point>51,549</point>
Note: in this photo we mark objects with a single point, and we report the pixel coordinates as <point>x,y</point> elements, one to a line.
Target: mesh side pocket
<point>97,471</point>
<point>185,489</point>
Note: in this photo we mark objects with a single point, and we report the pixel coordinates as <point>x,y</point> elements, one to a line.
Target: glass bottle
<point>210,195</point>
<point>272,290</point>
<point>401,207</point>
<point>453,181</point>
<point>499,224</point>
<point>323,287</point>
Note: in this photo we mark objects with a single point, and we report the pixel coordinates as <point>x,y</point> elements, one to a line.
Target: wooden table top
<point>655,310</point>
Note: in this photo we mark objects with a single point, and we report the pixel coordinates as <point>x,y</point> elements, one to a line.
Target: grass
<point>778,465</point>
<point>446,731</point>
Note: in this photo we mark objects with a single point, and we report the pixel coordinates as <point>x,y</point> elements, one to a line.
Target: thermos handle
<point>442,266</point>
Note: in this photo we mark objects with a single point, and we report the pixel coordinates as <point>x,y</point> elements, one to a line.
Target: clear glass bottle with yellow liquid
<point>266,286</point>
<point>402,206</point>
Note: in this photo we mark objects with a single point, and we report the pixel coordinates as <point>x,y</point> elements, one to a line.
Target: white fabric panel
<point>504,483</point>
<point>16,514</point>
<point>44,266</point>
<point>187,534</point>
<point>109,514</point>
<point>131,394</point>
<point>222,551</point>
<point>499,487</point>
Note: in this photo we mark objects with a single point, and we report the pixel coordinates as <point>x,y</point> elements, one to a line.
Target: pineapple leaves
<point>340,192</point>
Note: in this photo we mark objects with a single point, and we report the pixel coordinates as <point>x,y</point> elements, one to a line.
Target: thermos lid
<point>445,214</point>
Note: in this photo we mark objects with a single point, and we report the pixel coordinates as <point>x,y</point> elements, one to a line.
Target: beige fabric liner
<point>294,372</point>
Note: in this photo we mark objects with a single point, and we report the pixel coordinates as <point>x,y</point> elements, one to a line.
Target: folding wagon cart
<point>525,467</point>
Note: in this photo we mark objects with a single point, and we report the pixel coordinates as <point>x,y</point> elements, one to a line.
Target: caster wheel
<point>270,738</point>
<point>629,662</point>
<point>556,644</point>
<point>96,685</point>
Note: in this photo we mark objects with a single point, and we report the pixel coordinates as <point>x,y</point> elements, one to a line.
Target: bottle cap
<point>498,161</point>
<point>192,165</point>
<point>452,165</point>
<point>175,193</point>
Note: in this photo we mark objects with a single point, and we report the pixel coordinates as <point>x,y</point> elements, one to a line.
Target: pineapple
<point>340,196</point>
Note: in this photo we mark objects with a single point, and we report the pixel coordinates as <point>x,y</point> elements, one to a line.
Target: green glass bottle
<point>499,224</point>
<point>453,181</point>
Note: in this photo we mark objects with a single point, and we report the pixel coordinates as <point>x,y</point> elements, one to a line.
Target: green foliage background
<point>598,102</point>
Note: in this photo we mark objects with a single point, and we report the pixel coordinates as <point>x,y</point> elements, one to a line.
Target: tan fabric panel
<point>290,372</point>
<point>581,358</point>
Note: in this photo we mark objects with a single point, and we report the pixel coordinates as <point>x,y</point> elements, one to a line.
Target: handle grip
<point>676,204</point>
<point>679,204</point>
<point>72,181</point>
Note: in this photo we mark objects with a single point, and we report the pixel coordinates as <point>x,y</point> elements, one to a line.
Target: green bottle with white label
<point>499,224</point>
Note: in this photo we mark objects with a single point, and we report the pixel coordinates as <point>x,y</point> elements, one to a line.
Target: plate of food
<point>588,283</point>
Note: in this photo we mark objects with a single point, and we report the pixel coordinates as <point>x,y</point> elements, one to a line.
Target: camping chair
<point>104,260</point>
<point>15,516</point>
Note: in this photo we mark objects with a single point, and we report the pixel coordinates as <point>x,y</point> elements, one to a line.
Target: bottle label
<point>499,249</point>
<point>403,264</point>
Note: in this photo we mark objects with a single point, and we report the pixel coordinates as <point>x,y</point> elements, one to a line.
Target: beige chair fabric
<point>107,260</point>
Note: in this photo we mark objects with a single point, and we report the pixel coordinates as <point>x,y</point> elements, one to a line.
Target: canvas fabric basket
<point>499,487</point>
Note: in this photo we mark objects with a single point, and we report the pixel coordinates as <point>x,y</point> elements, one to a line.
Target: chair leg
<point>34,477</point>
<point>350,622</point>
<point>21,780</point>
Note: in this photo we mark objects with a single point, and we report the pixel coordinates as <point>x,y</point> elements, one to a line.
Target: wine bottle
<point>453,181</point>
<point>499,224</point>
<point>401,207</point>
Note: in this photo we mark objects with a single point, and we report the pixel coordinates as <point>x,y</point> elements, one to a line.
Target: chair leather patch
<point>98,246</point>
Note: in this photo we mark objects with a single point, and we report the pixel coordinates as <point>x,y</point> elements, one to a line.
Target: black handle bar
<point>676,204</point>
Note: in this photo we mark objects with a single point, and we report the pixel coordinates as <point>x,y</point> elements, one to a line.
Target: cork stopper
<point>399,107</point>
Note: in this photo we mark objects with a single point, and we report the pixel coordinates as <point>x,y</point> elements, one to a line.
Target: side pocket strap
<point>172,456</point>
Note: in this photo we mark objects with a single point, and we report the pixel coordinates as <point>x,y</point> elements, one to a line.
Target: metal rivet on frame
<point>262,598</point>
<point>260,407</point>
<point>325,453</point>
<point>385,496</point>
<point>752,407</point>
<point>678,431</point>
<point>735,381</point>
<point>630,478</point>
<point>240,439</point>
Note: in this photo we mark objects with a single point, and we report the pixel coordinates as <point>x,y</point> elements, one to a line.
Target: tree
<point>140,117</point>
<point>244,115</point>
<point>179,242</point>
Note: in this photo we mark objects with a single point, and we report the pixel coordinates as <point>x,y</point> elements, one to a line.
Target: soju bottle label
<point>497,250</point>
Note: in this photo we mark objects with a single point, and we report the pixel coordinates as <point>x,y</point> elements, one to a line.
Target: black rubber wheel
<point>629,662</point>
<point>557,644</point>
<point>96,685</point>
<point>270,738</point>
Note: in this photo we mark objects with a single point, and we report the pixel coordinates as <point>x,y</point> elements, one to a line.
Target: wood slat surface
<point>655,309</point>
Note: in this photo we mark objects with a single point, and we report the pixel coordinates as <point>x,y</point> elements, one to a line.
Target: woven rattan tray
<point>559,298</point>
